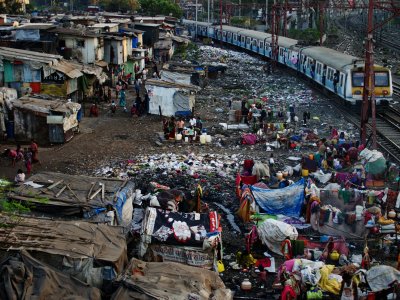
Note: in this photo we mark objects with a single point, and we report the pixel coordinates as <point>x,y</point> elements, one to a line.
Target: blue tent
<point>286,201</point>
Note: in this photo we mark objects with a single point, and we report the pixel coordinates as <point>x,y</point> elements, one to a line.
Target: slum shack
<point>81,196</point>
<point>45,120</point>
<point>168,280</point>
<point>43,280</point>
<point>189,238</point>
<point>82,249</point>
<point>168,98</point>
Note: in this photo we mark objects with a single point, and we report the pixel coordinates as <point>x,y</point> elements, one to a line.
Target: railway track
<point>389,43</point>
<point>396,88</point>
<point>387,128</point>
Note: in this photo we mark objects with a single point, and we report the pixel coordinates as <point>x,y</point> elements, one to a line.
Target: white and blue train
<point>337,72</point>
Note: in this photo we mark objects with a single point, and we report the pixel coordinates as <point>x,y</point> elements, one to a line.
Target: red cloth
<point>249,180</point>
<point>288,293</point>
<point>265,262</point>
<point>35,86</point>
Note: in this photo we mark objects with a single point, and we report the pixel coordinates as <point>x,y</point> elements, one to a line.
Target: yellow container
<point>304,173</point>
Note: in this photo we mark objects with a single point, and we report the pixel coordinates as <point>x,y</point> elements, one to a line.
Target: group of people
<point>172,126</point>
<point>28,155</point>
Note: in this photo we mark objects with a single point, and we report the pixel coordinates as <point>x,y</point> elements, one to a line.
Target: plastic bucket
<point>304,173</point>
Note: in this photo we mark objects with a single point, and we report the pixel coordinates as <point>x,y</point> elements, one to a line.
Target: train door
<point>261,48</point>
<point>235,39</point>
<point>211,32</point>
<point>224,36</point>
<point>242,41</point>
<point>340,85</point>
<point>281,54</point>
<point>248,43</point>
<point>293,59</point>
<point>268,50</point>
<point>318,72</point>
<point>254,45</point>
<point>229,37</point>
<point>330,73</point>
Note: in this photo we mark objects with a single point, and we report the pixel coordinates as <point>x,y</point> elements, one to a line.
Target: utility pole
<point>212,11</point>
<point>220,19</point>
<point>208,11</point>
<point>266,15</point>
<point>369,81</point>
<point>196,21</point>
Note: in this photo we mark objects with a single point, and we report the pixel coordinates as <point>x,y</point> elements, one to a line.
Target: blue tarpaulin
<point>286,201</point>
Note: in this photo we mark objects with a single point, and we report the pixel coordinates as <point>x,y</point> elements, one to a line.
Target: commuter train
<point>339,73</point>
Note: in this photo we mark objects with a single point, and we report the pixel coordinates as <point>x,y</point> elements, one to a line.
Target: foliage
<point>160,7</point>
<point>10,7</point>
<point>308,35</point>
<point>120,5</point>
<point>190,51</point>
<point>243,21</point>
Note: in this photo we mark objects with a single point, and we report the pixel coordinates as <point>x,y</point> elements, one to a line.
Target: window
<point>254,43</point>
<point>261,45</point>
<point>224,33</point>
<point>229,35</point>
<point>381,79</point>
<point>247,41</point>
<point>281,51</point>
<point>80,43</point>
<point>242,39</point>
<point>235,37</point>
<point>341,80</point>
<point>266,46</point>
<point>357,79</point>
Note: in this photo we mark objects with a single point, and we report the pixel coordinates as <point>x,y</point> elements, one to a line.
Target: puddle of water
<point>229,216</point>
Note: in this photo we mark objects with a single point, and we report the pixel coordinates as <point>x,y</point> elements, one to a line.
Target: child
<point>20,177</point>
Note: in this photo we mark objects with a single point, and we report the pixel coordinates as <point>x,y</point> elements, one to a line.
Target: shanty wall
<point>28,125</point>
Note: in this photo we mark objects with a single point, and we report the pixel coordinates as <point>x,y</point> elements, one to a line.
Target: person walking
<point>35,152</point>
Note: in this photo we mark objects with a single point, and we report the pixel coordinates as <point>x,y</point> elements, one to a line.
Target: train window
<point>341,80</point>
<point>266,46</point>
<point>224,33</point>
<point>261,45</point>
<point>381,79</point>
<point>242,39</point>
<point>229,35</point>
<point>235,37</point>
<point>357,79</point>
<point>247,41</point>
<point>281,51</point>
<point>254,43</point>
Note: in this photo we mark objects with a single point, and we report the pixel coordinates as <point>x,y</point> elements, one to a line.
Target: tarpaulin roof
<point>286,201</point>
<point>45,106</point>
<point>169,280</point>
<point>167,84</point>
<point>43,281</point>
<point>76,197</point>
<point>74,239</point>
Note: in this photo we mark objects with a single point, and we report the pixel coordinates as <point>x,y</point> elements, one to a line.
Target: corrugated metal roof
<point>19,54</point>
<point>45,106</point>
<point>35,26</point>
<point>68,69</point>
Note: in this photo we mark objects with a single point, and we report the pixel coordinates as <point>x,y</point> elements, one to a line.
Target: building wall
<point>91,51</point>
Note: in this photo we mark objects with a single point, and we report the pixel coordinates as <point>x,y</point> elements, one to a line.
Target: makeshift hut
<point>42,280</point>
<point>167,98</point>
<point>189,238</point>
<point>285,201</point>
<point>85,250</point>
<point>67,195</point>
<point>168,280</point>
<point>45,120</point>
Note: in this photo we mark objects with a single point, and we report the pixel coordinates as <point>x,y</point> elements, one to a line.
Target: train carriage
<point>339,73</point>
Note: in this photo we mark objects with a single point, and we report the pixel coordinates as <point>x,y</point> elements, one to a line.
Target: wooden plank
<point>95,194</point>
<point>60,192</point>
<point>55,184</point>
<point>90,191</point>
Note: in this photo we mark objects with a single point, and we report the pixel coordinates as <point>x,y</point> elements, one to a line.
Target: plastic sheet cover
<point>286,201</point>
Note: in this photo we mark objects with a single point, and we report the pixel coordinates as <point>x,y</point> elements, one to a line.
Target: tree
<point>119,5</point>
<point>10,7</point>
<point>160,7</point>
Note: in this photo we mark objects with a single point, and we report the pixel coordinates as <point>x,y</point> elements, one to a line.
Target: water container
<point>178,137</point>
<point>208,138</point>
<point>304,173</point>
<point>203,139</point>
<point>186,139</point>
